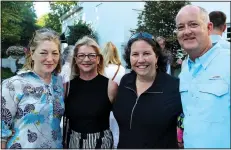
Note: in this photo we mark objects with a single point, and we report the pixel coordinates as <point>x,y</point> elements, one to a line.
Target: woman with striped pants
<point>89,100</point>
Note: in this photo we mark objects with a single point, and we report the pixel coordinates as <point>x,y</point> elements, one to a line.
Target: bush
<point>6,73</point>
<point>79,30</point>
<point>15,51</point>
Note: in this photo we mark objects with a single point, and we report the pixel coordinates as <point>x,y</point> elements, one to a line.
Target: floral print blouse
<point>31,111</point>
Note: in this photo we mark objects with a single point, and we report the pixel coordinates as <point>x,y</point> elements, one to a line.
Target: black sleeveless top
<point>87,105</point>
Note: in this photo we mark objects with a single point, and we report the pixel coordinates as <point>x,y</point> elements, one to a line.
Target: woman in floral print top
<point>32,101</point>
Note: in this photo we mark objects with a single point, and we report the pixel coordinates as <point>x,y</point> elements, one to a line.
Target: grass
<point>6,73</point>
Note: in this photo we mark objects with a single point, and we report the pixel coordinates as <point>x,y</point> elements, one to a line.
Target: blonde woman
<point>32,100</point>
<point>89,99</point>
<point>115,71</point>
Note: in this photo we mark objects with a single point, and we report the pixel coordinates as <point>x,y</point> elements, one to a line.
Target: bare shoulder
<point>112,90</point>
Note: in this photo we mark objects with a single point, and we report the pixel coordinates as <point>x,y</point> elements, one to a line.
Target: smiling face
<point>46,57</point>
<point>87,64</point>
<point>143,59</point>
<point>193,31</point>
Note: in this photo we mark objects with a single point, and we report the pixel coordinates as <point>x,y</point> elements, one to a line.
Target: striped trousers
<point>98,140</point>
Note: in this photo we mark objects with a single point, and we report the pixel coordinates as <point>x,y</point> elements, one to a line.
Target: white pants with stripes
<point>91,140</point>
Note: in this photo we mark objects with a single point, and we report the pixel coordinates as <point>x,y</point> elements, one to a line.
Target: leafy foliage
<point>53,22</point>
<point>60,8</point>
<point>41,21</point>
<point>6,73</point>
<point>158,18</point>
<point>52,19</point>
<point>18,23</point>
<point>15,50</point>
<point>78,30</point>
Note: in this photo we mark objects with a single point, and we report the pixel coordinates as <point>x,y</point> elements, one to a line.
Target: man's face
<point>192,31</point>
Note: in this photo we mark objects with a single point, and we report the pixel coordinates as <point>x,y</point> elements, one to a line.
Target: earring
<point>156,66</point>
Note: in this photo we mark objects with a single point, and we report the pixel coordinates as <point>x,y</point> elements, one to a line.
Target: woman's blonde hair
<point>88,42</point>
<point>41,35</point>
<point>110,54</point>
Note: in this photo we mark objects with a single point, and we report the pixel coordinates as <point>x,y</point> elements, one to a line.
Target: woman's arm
<point>9,100</point>
<point>3,144</point>
<point>112,90</point>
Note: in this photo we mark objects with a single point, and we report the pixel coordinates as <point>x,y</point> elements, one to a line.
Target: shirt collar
<point>205,59</point>
<point>215,38</point>
<point>35,75</point>
<point>157,85</point>
<point>22,71</point>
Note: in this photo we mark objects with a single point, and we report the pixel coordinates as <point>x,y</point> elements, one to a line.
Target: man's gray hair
<point>204,14</point>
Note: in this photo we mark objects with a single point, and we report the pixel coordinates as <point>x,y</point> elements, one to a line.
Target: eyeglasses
<point>142,35</point>
<point>91,56</point>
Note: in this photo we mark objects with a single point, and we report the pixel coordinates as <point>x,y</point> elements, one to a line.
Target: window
<point>228,32</point>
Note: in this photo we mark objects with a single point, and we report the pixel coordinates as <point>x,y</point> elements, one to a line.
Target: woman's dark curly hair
<point>162,58</point>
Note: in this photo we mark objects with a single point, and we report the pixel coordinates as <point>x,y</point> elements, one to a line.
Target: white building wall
<point>11,63</point>
<point>112,21</point>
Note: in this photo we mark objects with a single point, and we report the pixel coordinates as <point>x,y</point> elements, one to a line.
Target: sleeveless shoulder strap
<point>116,72</point>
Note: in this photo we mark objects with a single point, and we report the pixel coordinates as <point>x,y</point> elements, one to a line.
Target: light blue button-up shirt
<point>205,95</point>
<point>217,38</point>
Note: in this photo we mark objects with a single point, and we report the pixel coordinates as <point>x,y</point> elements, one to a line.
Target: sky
<point>43,7</point>
<point>212,6</point>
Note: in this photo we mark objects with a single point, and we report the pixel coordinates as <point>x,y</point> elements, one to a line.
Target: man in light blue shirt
<point>204,82</point>
<point>218,18</point>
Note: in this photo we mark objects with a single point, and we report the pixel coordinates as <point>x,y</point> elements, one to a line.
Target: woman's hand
<point>3,144</point>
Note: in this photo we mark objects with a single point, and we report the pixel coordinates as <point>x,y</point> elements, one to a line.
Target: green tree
<point>41,21</point>
<point>29,23</point>
<point>53,21</point>
<point>18,23</point>
<point>58,9</point>
<point>78,30</point>
<point>11,21</point>
<point>158,17</point>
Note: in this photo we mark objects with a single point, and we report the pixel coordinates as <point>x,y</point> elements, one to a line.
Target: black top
<point>87,105</point>
<point>150,120</point>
